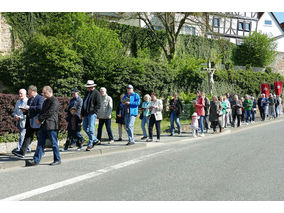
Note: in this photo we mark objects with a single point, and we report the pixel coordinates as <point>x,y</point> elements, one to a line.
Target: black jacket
<point>179,106</point>
<point>119,110</point>
<point>48,115</point>
<point>93,104</point>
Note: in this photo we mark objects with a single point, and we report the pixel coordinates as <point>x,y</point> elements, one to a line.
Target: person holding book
<point>20,117</point>
<point>130,103</point>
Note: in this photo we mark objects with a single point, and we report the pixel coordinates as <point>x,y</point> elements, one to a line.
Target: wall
<point>278,65</point>
<point>5,37</point>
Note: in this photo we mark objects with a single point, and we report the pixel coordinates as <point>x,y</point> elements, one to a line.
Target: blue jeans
<point>174,119</point>
<point>200,123</point>
<point>144,121</point>
<point>89,124</point>
<point>129,124</point>
<point>247,115</point>
<point>43,135</point>
<point>107,122</point>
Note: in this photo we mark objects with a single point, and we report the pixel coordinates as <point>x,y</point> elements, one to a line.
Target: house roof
<point>282,26</point>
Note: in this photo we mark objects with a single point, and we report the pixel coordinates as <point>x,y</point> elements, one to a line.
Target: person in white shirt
<point>20,117</point>
<point>156,117</point>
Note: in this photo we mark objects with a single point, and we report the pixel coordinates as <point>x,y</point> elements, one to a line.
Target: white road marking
<point>80,178</point>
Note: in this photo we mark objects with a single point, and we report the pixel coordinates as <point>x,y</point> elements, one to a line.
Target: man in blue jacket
<point>130,103</point>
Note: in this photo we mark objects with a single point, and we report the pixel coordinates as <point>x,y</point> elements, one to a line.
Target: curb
<point>67,156</point>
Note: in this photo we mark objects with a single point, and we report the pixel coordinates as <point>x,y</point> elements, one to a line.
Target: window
<point>247,26</point>
<point>187,30</point>
<point>268,22</point>
<point>241,26</point>
<point>216,22</point>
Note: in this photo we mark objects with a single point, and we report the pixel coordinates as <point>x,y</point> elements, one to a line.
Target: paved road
<point>243,165</point>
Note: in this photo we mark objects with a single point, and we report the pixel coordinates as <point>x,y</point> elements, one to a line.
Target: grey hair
<point>32,88</point>
<point>48,89</point>
<point>103,89</point>
<point>147,96</point>
<point>24,91</point>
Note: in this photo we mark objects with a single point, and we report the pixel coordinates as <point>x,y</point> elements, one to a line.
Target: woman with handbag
<point>145,115</point>
<point>156,117</point>
<point>215,114</point>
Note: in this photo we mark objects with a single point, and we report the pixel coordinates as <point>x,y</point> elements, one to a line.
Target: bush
<point>8,124</point>
<point>257,50</point>
<point>247,81</point>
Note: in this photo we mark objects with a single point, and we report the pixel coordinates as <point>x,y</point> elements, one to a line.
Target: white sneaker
<point>158,140</point>
<point>202,135</point>
<point>195,136</point>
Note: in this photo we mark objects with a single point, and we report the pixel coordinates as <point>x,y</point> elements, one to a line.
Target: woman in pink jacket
<point>200,110</point>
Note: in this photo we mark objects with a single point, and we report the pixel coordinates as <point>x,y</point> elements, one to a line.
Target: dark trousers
<point>206,122</point>
<point>239,117</point>
<point>107,123</point>
<point>151,125</point>
<point>215,124</point>
<point>74,137</point>
<point>43,135</point>
<point>262,113</point>
<point>30,132</point>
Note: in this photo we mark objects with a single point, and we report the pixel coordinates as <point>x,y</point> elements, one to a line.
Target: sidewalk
<point>8,160</point>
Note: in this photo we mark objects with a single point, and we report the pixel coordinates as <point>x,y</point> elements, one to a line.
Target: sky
<point>279,16</point>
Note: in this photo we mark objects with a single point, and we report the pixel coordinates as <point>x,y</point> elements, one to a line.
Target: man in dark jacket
<point>176,108</point>
<point>48,118</point>
<point>32,110</point>
<point>236,111</point>
<point>91,105</point>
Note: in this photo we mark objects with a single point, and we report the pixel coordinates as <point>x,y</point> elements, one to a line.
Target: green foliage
<point>201,47</point>
<point>257,50</point>
<point>188,72</point>
<point>136,38</point>
<point>246,81</point>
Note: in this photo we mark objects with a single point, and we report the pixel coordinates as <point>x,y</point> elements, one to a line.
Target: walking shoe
<point>119,139</point>
<point>149,140</point>
<point>194,135</point>
<point>111,141</point>
<point>171,134</point>
<point>158,140</point>
<point>98,142</point>
<point>18,154</point>
<point>130,143</point>
<point>55,163</point>
<point>143,138</point>
<point>89,148</point>
<point>179,133</point>
<point>213,133</point>
<point>31,163</point>
<point>202,135</point>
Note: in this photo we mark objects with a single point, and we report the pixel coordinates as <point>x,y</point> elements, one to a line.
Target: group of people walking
<point>38,115</point>
<point>233,111</point>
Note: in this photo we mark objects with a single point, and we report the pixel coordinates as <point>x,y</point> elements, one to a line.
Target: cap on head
<point>129,86</point>
<point>90,83</point>
<point>75,90</point>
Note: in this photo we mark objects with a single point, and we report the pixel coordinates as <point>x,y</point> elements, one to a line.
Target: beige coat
<point>157,111</point>
<point>106,107</point>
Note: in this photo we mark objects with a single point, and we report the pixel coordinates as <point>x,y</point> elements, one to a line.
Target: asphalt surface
<point>246,164</point>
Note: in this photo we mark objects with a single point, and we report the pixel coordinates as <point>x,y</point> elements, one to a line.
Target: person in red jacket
<point>199,106</point>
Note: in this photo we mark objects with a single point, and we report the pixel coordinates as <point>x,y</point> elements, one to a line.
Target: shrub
<point>8,124</point>
<point>257,50</point>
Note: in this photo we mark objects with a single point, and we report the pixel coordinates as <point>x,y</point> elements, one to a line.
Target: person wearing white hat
<point>91,105</point>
